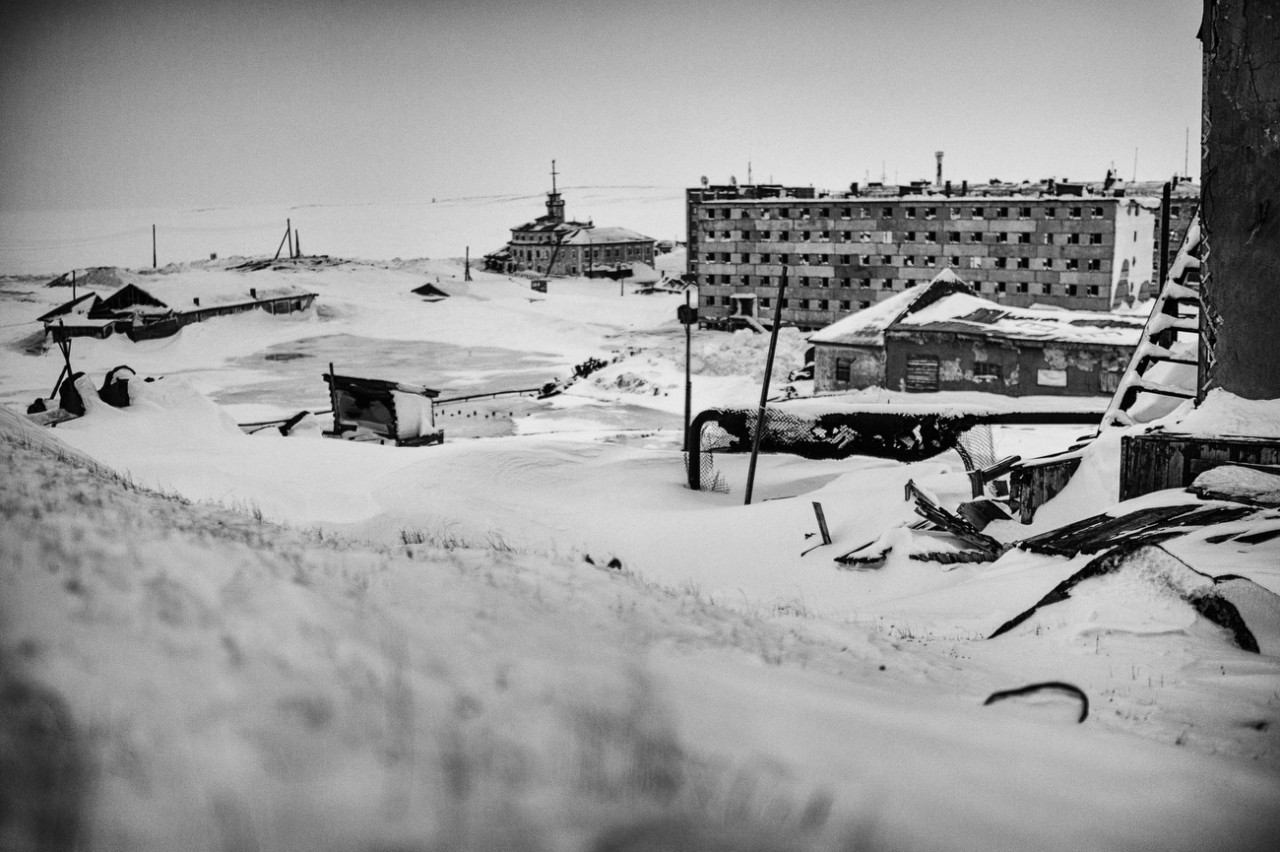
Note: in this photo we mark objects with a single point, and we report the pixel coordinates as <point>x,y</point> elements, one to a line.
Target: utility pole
<point>153,246</point>
<point>688,379</point>
<point>466,273</point>
<point>288,232</point>
<point>764,387</point>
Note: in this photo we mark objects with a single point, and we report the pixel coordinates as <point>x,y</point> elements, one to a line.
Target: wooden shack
<point>382,410</point>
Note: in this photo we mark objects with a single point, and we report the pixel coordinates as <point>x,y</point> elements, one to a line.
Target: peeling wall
<point>965,363</point>
<point>866,367</point>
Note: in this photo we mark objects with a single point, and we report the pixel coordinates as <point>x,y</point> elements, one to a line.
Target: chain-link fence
<point>905,436</point>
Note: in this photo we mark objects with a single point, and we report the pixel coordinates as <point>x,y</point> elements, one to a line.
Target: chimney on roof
<point>938,181</point>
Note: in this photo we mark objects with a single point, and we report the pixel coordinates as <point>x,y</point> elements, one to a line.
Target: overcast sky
<point>125,103</point>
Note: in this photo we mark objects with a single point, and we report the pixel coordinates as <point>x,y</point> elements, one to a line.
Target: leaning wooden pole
<point>280,247</point>
<point>764,387</point>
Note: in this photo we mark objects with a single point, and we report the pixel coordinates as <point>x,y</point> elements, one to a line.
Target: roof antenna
<point>553,175</point>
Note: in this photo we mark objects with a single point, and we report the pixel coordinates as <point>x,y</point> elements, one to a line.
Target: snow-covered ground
<point>301,643</point>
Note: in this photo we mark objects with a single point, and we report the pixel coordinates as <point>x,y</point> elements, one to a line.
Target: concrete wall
<point>1241,192</point>
<point>866,367</point>
<point>970,363</point>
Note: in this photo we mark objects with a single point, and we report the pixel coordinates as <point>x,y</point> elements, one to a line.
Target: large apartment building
<point>1071,245</point>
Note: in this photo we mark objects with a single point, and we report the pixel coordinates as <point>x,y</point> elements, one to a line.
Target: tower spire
<point>555,205</point>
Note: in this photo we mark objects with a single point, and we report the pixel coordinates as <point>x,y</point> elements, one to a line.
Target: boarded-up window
<point>922,374</point>
<point>986,371</point>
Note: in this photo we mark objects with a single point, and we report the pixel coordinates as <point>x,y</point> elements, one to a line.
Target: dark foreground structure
<point>1240,289</point>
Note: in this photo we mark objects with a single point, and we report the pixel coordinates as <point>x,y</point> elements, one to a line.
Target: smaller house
<point>850,354</point>
<point>943,337</point>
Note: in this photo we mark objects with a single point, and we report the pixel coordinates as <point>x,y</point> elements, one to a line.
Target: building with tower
<point>554,245</point>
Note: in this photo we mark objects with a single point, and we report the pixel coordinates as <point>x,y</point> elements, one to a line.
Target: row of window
<point>1019,287</point>
<point>1069,264</point>
<point>911,212</point>
<point>998,237</point>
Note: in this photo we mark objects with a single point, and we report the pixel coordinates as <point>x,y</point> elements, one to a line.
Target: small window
<point>908,261</point>
<point>1075,212</point>
<point>886,260</point>
<point>1096,239</point>
<point>955,260</point>
<point>846,282</point>
<point>843,366</point>
<point>1024,263</point>
<point>1003,213</point>
<point>1022,287</point>
<point>847,236</point>
<point>1024,212</point>
<point>1095,265</point>
<point>1175,210</point>
<point>886,284</point>
<point>975,237</point>
<point>910,237</point>
<point>865,237</point>
<point>1024,238</point>
<point>953,236</point>
<point>765,301</point>
<point>985,372</point>
<point>1072,264</point>
<point>846,212</point>
<point>910,213</point>
<point>1050,212</point>
<point>886,212</point>
<point>864,213</point>
<point>844,305</point>
<point>1096,213</point>
<point>1048,239</point>
<point>931,212</point>
<point>1002,262</point>
<point>1002,237</point>
<point>931,237</point>
<point>977,213</point>
<point>1073,239</point>
<point>1048,263</point>
<point>1071,289</point>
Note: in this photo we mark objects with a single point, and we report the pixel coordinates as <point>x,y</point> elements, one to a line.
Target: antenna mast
<point>553,175</point>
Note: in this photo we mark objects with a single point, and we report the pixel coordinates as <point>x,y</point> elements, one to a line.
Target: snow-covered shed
<point>966,343</point>
<point>159,306</point>
<point>850,354</point>
<point>941,336</point>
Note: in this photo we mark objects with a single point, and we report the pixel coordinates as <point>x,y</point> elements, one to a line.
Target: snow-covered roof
<point>965,313</point>
<point>867,326</point>
<point>180,293</point>
<point>595,236</point>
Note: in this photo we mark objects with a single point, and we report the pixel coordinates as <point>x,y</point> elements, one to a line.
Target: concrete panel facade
<point>1083,253</point>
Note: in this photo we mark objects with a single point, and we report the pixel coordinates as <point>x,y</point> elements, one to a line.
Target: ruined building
<point>1077,246</point>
